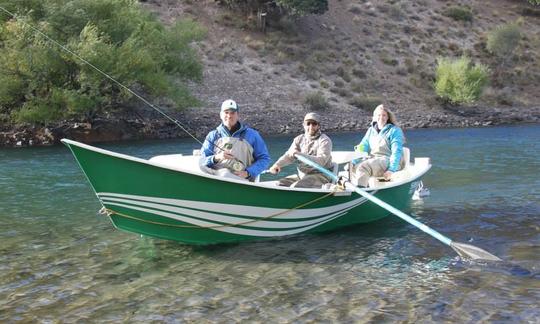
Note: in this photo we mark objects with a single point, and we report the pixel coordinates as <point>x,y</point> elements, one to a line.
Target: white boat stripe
<point>236,230</point>
<point>241,210</point>
<point>268,223</point>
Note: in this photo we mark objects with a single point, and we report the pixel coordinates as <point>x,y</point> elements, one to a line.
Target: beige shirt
<point>318,149</point>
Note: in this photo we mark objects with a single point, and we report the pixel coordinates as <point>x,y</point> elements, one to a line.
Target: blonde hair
<point>391,116</point>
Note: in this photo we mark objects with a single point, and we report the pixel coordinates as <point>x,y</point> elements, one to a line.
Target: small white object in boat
<point>420,192</point>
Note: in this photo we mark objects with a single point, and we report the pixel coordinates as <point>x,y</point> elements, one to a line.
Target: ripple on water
<point>62,262</point>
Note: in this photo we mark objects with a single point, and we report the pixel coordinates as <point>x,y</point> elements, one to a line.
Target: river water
<point>61,262</point>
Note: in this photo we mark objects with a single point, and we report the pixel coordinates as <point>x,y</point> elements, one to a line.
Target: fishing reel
<point>238,166</point>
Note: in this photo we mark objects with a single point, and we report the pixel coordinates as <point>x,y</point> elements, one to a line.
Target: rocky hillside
<point>357,54</point>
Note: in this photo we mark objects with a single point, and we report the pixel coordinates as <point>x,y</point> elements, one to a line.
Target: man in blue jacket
<point>234,149</point>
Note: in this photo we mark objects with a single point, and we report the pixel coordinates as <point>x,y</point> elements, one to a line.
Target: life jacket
<point>379,145</point>
<point>239,148</point>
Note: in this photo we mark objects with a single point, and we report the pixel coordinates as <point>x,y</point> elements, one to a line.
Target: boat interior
<point>341,162</point>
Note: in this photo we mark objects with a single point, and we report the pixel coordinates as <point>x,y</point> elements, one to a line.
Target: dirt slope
<point>356,54</point>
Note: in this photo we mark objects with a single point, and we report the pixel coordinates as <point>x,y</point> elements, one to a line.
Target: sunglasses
<point>314,123</point>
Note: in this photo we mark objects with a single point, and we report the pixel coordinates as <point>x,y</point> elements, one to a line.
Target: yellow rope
<point>110,212</point>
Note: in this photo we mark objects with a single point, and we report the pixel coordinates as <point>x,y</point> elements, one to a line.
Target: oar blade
<point>471,252</point>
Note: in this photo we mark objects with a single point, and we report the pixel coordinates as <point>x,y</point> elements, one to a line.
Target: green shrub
<point>342,92</point>
<point>388,60</point>
<point>366,102</point>
<point>293,7</point>
<point>304,7</point>
<point>359,73</point>
<point>342,72</point>
<point>503,40</point>
<point>46,83</point>
<point>316,101</point>
<point>531,11</point>
<point>324,84</point>
<point>458,81</point>
<point>459,13</point>
<point>339,83</point>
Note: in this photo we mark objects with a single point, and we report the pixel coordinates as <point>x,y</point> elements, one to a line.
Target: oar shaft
<point>402,215</point>
<point>381,203</point>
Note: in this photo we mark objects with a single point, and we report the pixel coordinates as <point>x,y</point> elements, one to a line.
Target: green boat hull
<point>174,204</point>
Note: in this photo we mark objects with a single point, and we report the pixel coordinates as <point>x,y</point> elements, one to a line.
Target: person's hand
<point>291,153</point>
<point>274,169</point>
<point>388,175</point>
<point>223,155</point>
<point>242,174</point>
<point>355,161</point>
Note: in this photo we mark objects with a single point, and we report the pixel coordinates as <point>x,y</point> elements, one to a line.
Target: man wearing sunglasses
<point>314,145</point>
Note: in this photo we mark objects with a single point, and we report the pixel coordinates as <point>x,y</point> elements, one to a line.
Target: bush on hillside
<point>316,101</point>
<point>367,103</point>
<point>459,81</point>
<point>304,7</point>
<point>459,13</point>
<point>531,11</point>
<point>47,83</point>
<point>503,40</point>
<point>292,7</point>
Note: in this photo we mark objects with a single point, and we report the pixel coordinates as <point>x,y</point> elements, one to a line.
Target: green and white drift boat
<point>170,197</point>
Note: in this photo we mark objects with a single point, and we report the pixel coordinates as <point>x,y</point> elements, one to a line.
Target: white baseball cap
<point>229,104</point>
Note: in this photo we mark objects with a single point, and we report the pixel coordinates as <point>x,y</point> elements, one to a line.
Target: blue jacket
<point>260,152</point>
<point>395,137</point>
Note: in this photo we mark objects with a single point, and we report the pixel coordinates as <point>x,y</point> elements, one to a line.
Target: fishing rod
<point>148,103</point>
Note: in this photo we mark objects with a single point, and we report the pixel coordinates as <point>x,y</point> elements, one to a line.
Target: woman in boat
<point>383,142</point>
<point>233,149</point>
<point>312,144</point>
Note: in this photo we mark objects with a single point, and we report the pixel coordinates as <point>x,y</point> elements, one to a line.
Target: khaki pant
<point>373,167</point>
<point>315,180</point>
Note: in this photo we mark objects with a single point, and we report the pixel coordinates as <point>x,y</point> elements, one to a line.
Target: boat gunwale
<point>263,184</point>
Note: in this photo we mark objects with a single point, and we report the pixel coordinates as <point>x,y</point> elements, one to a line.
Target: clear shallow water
<point>60,261</point>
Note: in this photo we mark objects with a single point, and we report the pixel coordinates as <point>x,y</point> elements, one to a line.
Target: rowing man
<point>312,144</point>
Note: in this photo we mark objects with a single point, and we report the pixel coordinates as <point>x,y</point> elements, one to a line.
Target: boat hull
<point>172,204</point>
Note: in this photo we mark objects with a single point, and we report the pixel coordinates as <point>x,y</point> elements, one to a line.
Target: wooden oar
<point>465,251</point>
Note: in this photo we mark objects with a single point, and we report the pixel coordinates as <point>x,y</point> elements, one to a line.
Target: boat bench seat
<point>175,161</point>
<point>397,176</point>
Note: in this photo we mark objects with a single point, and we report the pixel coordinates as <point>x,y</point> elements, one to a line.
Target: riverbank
<point>271,121</point>
<point>354,55</point>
